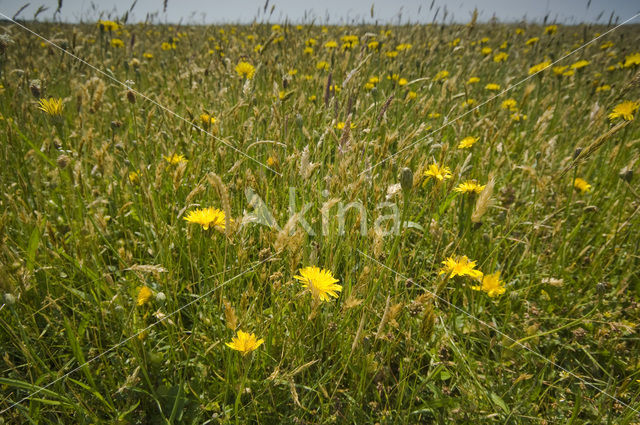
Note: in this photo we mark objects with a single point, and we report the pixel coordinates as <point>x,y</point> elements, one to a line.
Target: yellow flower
<point>147,55</point>
<point>116,42</point>
<point>312,98</point>
<point>374,80</point>
<point>437,172</point>
<point>392,54</point>
<point>500,57</point>
<point>168,46</point>
<point>108,25</point>
<point>404,46</point>
<point>604,87</point>
<point>532,40</point>
<point>144,295</point>
<point>469,102</point>
<point>245,70</point>
<point>330,44</point>
<point>310,42</point>
<point>134,177</point>
<point>467,142</point>
<point>373,45</point>
<point>321,283</point>
<point>581,185</point>
<point>207,119</point>
<point>539,67</point>
<point>412,95</point>
<point>460,266</point>
<point>470,186</point>
<point>455,42</point>
<point>559,70</point>
<point>51,106</point>
<point>174,159</point>
<point>569,73</point>
<point>509,104</point>
<point>551,29</point>
<point>631,60</point>
<point>519,31</point>
<point>492,86</point>
<point>434,115</point>
<point>244,342</point>
<point>341,124</point>
<point>624,110</point>
<point>580,64</point>
<point>486,50</point>
<point>402,82</point>
<point>308,50</point>
<point>322,65</point>
<point>441,75</point>
<point>473,80</point>
<point>518,117</point>
<point>208,217</point>
<point>606,45</point>
<point>491,284</point>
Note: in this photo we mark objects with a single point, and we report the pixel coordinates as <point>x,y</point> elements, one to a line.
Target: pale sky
<point>329,11</point>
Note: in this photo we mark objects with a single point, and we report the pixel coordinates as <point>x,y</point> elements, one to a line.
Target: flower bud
<point>406,179</point>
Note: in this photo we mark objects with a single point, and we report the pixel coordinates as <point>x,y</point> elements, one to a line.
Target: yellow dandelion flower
<point>539,67</point>
<point>134,177</point>
<point>412,95</point>
<point>174,159</point>
<point>322,65</point>
<point>51,106</point>
<point>308,50</point>
<point>207,119</point>
<point>144,295</point>
<point>245,70</point>
<point>500,57</point>
<point>581,185</point>
<point>473,80</point>
<point>492,87</point>
<point>373,45</point>
<point>147,55</point>
<point>208,217</point>
<point>437,172</point>
<point>392,54</point>
<point>470,186</point>
<point>551,29</point>
<point>469,102</point>
<point>441,75</point>
<point>604,87</point>
<point>321,283</point>
<point>330,44</point>
<point>518,117</point>
<point>467,142</point>
<point>402,82</point>
<point>532,40</point>
<point>491,284</point>
<point>116,42</point>
<point>486,50</point>
<point>631,60</point>
<point>580,64</point>
<point>460,266</point>
<point>606,45</point>
<point>559,70</point>
<point>244,342</point>
<point>434,115</point>
<point>624,110</point>
<point>108,25</point>
<point>509,104</point>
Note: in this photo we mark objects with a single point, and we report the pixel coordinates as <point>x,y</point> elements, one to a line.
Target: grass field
<point>477,251</point>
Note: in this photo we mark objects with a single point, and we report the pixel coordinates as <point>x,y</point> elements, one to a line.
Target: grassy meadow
<point>477,251</point>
